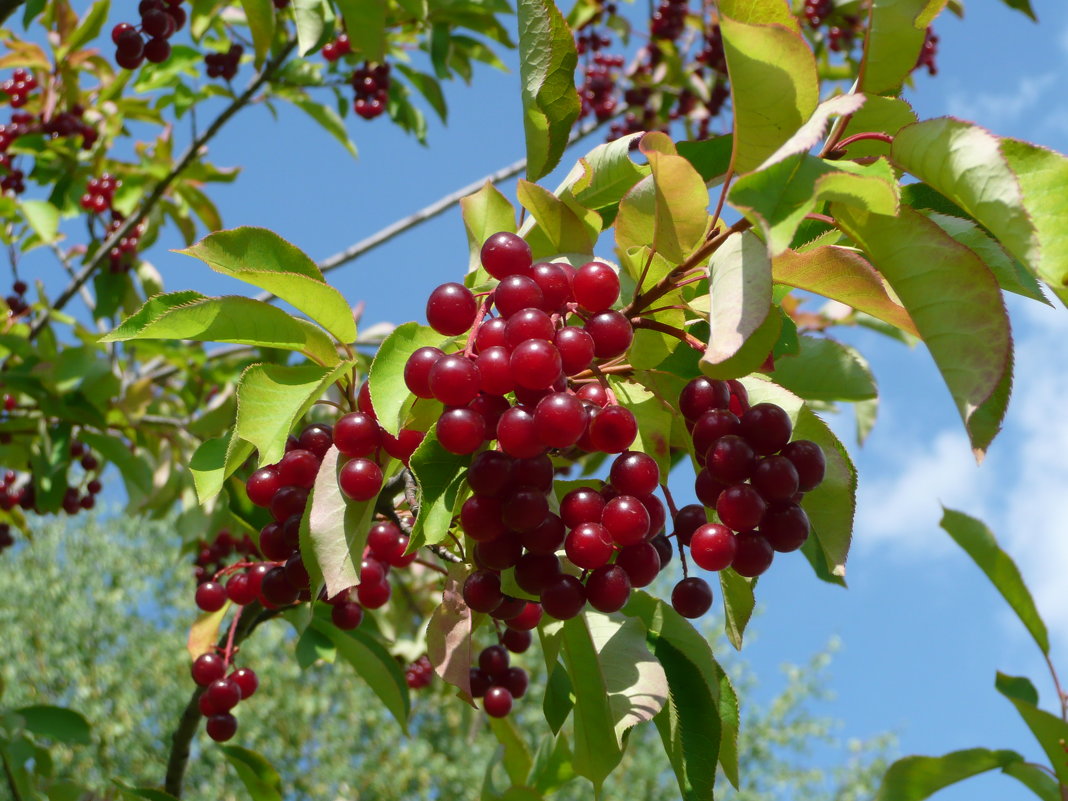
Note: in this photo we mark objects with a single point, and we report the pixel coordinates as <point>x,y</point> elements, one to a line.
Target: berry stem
<point>670,330</point>
<point>229,652</point>
<point>431,566</point>
<point>480,316</point>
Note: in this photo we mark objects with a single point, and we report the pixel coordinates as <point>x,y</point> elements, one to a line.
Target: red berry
<point>641,563</point>
<point>553,282</point>
<point>318,438</point>
<point>613,430</point>
<point>360,479</point>
<point>357,434</point>
<point>692,597</point>
<point>580,506</point>
<point>494,370</point>
<point>713,546</point>
<point>730,459</point>
<point>500,553</point>
<point>807,457</point>
<point>491,334</point>
<point>498,702</point>
<point>687,520</point>
<point>535,364</point>
<point>490,473</point>
<point>288,502</point>
<point>451,309</point>
<point>207,668</point>
<point>635,473</point>
<point>373,596</point>
<point>547,537</point>
<point>516,641</point>
<point>211,596</point>
<point>612,334</point>
<point>753,554</point>
<point>461,431</point>
<point>701,395</point>
<point>246,680</point>
<point>766,427</point>
<point>524,509</point>
<point>528,324</point>
<point>608,588</point>
<point>536,571</point>
<point>740,507</point>
<point>517,434</point>
<point>222,727</point>
<point>480,517</point>
<point>348,615</point>
<point>775,478</point>
<point>516,681</point>
<point>626,519</point>
<point>596,286</point>
<point>298,468</point>
<point>482,591</point>
<point>223,695</point>
<point>239,589</point>
<point>564,598</point>
<point>559,419</point>
<point>589,546</point>
<point>576,348</point>
<point>262,486</point>
<point>157,50</point>
<point>454,380</point>
<point>785,527</point>
<point>712,426</point>
<point>505,254</point>
<point>528,619</point>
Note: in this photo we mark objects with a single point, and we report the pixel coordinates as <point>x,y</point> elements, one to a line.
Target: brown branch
<point>670,330</point>
<point>149,203</point>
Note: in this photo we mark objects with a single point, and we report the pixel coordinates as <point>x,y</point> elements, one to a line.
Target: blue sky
<point>922,631</point>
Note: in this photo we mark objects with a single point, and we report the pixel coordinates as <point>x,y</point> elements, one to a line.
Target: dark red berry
<point>596,286</point>
<point>612,334</point>
<point>564,598</point>
<point>482,591</point>
<point>641,562</point>
<point>262,486</point>
<point>635,473</point>
<point>753,554</point>
<point>692,597</point>
<point>589,546</point>
<point>740,507</point>
<point>701,395</point>
<point>608,588</point>
<point>808,458</point>
<point>766,427</point>
<point>360,479</point>
<point>461,431</point>
<point>516,641</point>
<point>356,434</point>
<point>497,702</point>
<point>785,527</point>
<point>713,546</point>
<point>613,430</point>
<point>222,727</point>
<point>346,616</point>
<point>207,668</point>
<point>775,478</point>
<point>527,619</point>
<point>626,519</point>
<point>505,254</point>
<point>211,596</point>
<point>451,309</point>
<point>246,680</point>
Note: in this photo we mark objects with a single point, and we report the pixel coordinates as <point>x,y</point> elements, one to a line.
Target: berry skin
<point>713,546</point>
<point>210,596</point>
<point>613,430</point>
<point>547,537</point>
<point>276,589</point>
<point>221,727</point>
<point>535,364</point>
<point>490,473</point>
<point>360,479</point>
<point>635,473</point>
<point>641,563</point>
<point>576,349</point>
<point>524,510</point>
<point>528,619</point>
<point>564,599</point>
<point>517,434</point>
<point>356,434</point>
<point>740,507</point>
<point>516,641</point>
<point>247,680</point>
<point>516,681</point>
<point>692,597</point>
<point>528,324</point>
<point>490,408</point>
<point>157,50</point>
<point>536,473</point>
<point>493,661</point>
<point>494,370</point>
<point>581,506</point>
<point>499,554</point>
<point>318,438</point>
<point>554,285</point>
<point>346,616</point>
<point>482,591</point>
<point>223,694</point>
<point>612,334</point>
<point>626,519</point>
<point>498,702</point>
<point>454,380</point>
<point>287,502</point>
<point>712,426</point>
<point>753,554</point>
<point>417,371</point>
<point>559,420</point>
<point>596,286</point>
<point>505,254</point>
<point>387,543</point>
<point>516,293</point>
<point>730,459</point>
<point>766,427</point>
<point>785,527</point>
<point>775,478</point>
<point>534,572</point>
<point>480,518</point>
<point>589,546</point>
<point>262,486</point>
<point>701,395</point>
<point>687,520</point>
<point>451,309</point>
<point>807,458</point>
<point>239,590</point>
<point>608,588</point>
<point>510,607</point>
<point>373,596</point>
<point>207,668</point>
<point>298,468</point>
<point>708,489</point>
<point>461,431</point>
<point>593,393</point>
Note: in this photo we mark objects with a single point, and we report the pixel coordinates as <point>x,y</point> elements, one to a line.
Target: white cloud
<point>997,110</point>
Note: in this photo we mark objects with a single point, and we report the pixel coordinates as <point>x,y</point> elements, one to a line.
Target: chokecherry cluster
<point>160,19</point>
<point>16,305</point>
<point>224,65</point>
<point>929,53</point>
<point>18,87</point>
<point>221,692</point>
<point>341,46</point>
<point>495,681</point>
<point>99,193</point>
<point>77,496</point>
<point>123,256</point>
<point>371,85</point>
<point>752,475</point>
<point>419,673</point>
<point>213,556</point>
<point>599,69</point>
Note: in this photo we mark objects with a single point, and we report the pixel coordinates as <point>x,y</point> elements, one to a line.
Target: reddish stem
<point>483,310</point>
<point>670,330</point>
<point>873,136</point>
<point>228,654</point>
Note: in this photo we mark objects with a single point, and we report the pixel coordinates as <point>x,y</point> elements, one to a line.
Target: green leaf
<point>1009,187</point>
<point>603,176</point>
<point>917,777</point>
<point>1018,688</point>
<point>831,506</point>
<point>334,530</point>
<point>260,15</point>
<point>547,61</point>
<point>517,758</point>
<point>740,283</point>
<point>826,370</point>
<point>439,475</point>
<point>365,23</point>
<point>653,417</point>
<point>89,28</point>
<point>389,394</point>
<point>895,38</point>
<point>760,12</point>
<point>979,543</point>
<point>1035,779</point>
<point>953,299</point>
<point>146,793</point>
<point>485,213</point>
<point>263,259</point>
<point>374,664</point>
<point>841,274</point>
<point>256,773</point>
<point>552,227</point>
<point>710,157</point>
<point>886,115</point>
<point>311,647</point>
<point>233,319</point>
<point>1050,731</point>
<point>323,114</point>
<point>428,87</point>
<point>41,215</point>
<point>448,634</point>
<point>204,631</point>
<point>738,604</point>
<point>214,461</point>
<point>56,723</point>
<point>617,683</point>
<point>774,86</point>
<point>271,398</point>
<point>778,197</point>
<point>310,17</point>
<point>1023,6</point>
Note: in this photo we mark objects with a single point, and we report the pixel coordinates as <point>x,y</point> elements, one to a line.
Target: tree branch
<point>187,723</point>
<point>191,153</point>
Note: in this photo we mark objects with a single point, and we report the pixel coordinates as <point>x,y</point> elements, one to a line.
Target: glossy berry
<point>387,542</point>
<point>298,468</point>
<point>712,546</point>
<point>223,694</point>
<point>493,661</point>
<point>454,380</point>
<point>524,509</point>
<point>581,506</point>
<point>596,286</point>
<point>500,553</point>
<point>536,473</point>
<point>613,430</point>
<point>516,641</point>
<point>528,324</point>
<point>528,619</point>
<point>687,520</point>
<point>740,507</point>
<point>417,371</point>
<point>287,502</point>
<point>505,254</point>
<point>554,284</point>
<point>547,537</point>
<point>239,589</point>
<point>210,596</point>
<point>516,681</point>
<point>785,527</point>
<point>518,435</point>
<point>510,607</point>
<point>246,680</point>
<point>766,427</point>
<point>494,370</point>
<point>576,349</point>
<point>276,589</point>
<point>157,50</point>
<point>534,572</point>
<point>356,434</point>
<point>752,555</point>
<point>708,489</point>
<point>589,546</point>
<point>480,518</point>
<point>712,426</point>
<point>347,615</point>
<point>635,473</point>
<point>373,596</point>
<point>807,457</point>
<point>701,395</point>
<point>608,588</point>
<point>318,438</point>
<point>482,591</point>
<point>641,563</point>
<point>775,478</point>
<point>262,486</point>
<point>535,364</point>
<point>207,668</point>
<point>360,479</point>
<point>692,597</point>
<point>564,598</point>
<point>626,519</point>
<point>222,727</point>
<point>461,431</point>
<point>612,334</point>
<point>516,293</point>
<point>730,459</point>
<point>451,309</point>
<point>559,420</point>
<point>490,472</point>
<point>593,393</point>
<point>497,702</point>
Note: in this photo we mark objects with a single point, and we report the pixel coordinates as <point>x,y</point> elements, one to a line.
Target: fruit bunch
<point>371,85</point>
<point>18,87</point>
<point>221,693</point>
<point>224,65</point>
<point>341,46</point>
<point>419,673</point>
<point>16,304</point>
<point>77,496</point>
<point>160,19</point>
<point>212,557</point>
<point>929,53</point>
<point>99,193</point>
<point>496,682</point>
<point>124,254</point>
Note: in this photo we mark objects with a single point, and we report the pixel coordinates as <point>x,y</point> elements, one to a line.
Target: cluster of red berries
<point>669,19</point>
<point>24,494</point>
<point>419,673</point>
<point>752,475</point>
<point>598,90</point>
<point>64,124</point>
<point>160,19</point>
<point>213,556</point>
<point>16,305</point>
<point>122,257</point>
<point>99,193</point>
<point>496,682</point>
<point>386,546</point>
<point>554,322</point>
<point>221,693</point>
<point>929,53</point>
<point>18,87</point>
<point>816,11</point>
<point>341,46</point>
<point>371,85</point>
<point>224,65</point>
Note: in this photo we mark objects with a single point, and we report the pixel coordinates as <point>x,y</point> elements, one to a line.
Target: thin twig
<point>190,155</point>
<point>670,330</point>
